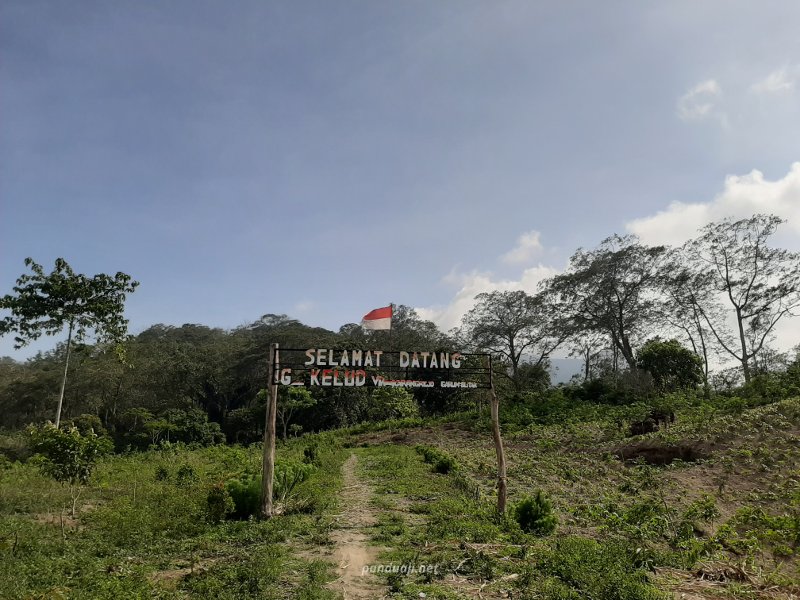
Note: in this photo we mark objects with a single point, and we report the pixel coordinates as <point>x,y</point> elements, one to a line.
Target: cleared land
<point>708,508</point>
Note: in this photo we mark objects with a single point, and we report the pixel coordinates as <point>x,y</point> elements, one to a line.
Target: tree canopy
<point>47,303</point>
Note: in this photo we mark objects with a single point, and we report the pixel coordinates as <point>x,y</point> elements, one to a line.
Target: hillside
<point>716,516</point>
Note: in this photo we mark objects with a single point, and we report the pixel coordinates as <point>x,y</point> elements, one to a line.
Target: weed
<point>535,514</point>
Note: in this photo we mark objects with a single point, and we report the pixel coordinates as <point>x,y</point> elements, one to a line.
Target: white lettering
<point>355,355</point>
<point>309,357</point>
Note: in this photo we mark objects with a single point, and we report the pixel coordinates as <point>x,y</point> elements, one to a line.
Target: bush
<point>245,494</point>
<point>89,424</point>
<point>442,463</point>
<point>67,456</point>
<point>584,568</point>
<point>246,489</point>
<point>535,514</point>
<point>15,447</point>
<point>162,474</point>
<point>219,503</point>
<point>185,475</point>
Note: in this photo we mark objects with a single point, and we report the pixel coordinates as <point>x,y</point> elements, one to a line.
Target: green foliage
<point>87,424</point>
<point>68,456</point>
<point>185,475</point>
<point>442,462</point>
<point>161,474</point>
<point>578,568</point>
<point>391,403</point>
<point>219,502</point>
<point>140,429</point>
<point>311,453</point>
<point>672,366</point>
<point>47,303</point>
<point>245,493</point>
<point>535,514</point>
<point>245,490</point>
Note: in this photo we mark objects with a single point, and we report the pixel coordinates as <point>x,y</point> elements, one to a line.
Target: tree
<point>67,455</point>
<point>672,366</point>
<point>611,290</point>
<point>760,285</point>
<point>290,400</point>
<point>684,296</point>
<point>390,403</point>
<point>513,325</point>
<point>47,303</point>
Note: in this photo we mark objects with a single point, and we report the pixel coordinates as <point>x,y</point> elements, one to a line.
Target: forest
<point>642,320</point>
<point>669,463</point>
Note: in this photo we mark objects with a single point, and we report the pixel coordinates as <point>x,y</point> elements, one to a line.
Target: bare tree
<point>760,285</point>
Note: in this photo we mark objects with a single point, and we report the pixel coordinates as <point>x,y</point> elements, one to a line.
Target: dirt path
<point>352,552</point>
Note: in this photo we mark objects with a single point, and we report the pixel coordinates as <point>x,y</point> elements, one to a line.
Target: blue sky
<point>323,158</point>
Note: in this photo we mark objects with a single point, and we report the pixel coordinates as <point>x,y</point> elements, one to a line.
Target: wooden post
<point>268,464</point>
<point>502,484</point>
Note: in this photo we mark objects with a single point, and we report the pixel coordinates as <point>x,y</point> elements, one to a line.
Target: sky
<point>321,159</point>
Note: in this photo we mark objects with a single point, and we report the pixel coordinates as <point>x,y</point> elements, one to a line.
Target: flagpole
<point>391,318</point>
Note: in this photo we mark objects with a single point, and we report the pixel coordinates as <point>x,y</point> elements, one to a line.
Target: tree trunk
<point>502,491</point>
<point>268,463</point>
<point>64,379</point>
<point>744,359</point>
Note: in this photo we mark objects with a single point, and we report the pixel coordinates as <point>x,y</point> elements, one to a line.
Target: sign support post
<point>268,463</point>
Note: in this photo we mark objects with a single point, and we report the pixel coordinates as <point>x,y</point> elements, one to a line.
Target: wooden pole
<point>268,464</point>
<point>502,483</point>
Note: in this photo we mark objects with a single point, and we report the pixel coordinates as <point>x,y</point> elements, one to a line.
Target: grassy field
<point>708,508</point>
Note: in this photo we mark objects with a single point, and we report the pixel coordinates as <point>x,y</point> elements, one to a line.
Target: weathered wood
<point>502,483</point>
<point>268,463</point>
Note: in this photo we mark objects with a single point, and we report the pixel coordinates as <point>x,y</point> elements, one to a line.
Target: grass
<point>626,529</point>
<point>140,533</point>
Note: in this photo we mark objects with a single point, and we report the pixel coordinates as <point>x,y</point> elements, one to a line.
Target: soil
<point>352,552</point>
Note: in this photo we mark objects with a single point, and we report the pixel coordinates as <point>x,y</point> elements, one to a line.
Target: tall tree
<point>47,303</point>
<point>684,306</point>
<point>760,285</point>
<point>513,325</point>
<point>611,290</point>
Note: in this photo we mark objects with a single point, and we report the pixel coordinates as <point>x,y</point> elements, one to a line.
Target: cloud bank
<point>473,283</point>
<point>742,196</point>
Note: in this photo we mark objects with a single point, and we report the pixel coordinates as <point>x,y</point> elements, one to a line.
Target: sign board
<point>329,367</point>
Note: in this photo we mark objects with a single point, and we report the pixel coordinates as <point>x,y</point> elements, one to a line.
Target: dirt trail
<point>352,552</point>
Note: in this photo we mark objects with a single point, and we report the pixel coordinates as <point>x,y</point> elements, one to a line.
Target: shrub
<point>246,489</point>
<point>311,454</point>
<point>185,475</point>
<point>535,514</point>
<point>162,474</point>
<point>219,503</point>
<point>67,456</point>
<point>583,568</point>
<point>442,463</point>
<point>89,423</point>
<point>245,494</point>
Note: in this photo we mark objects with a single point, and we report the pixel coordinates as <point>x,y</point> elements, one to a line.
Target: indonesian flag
<point>380,318</point>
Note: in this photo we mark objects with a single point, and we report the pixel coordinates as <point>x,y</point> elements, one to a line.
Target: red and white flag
<point>380,318</point>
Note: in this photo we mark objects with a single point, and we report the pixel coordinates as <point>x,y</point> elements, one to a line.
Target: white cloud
<point>528,246</point>
<point>742,197</point>
<point>776,82</point>
<point>474,283</point>
<point>699,102</point>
